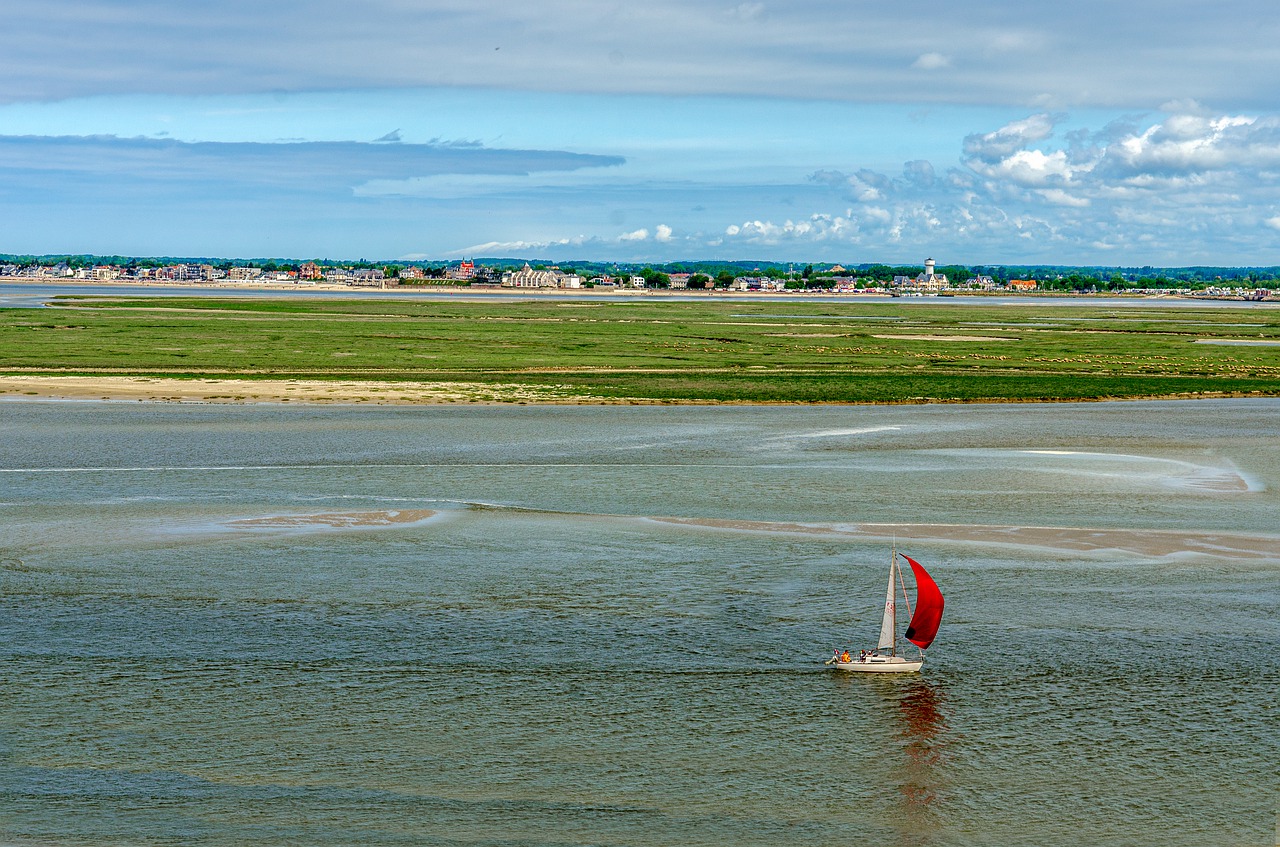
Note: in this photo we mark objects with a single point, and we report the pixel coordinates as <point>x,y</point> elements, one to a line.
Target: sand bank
<point>339,520</point>
<point>164,389</point>
<point>944,337</point>
<point>1135,541</point>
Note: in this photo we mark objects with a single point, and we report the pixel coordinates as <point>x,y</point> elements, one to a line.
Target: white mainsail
<point>887,627</point>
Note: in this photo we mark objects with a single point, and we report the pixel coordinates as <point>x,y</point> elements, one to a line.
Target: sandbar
<point>944,338</point>
<point>337,520</point>
<point>168,389</point>
<point>1142,542</point>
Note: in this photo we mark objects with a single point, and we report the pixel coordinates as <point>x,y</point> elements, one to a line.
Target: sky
<point>1085,133</point>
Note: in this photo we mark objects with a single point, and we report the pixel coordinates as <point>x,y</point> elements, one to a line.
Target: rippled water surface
<point>279,626</point>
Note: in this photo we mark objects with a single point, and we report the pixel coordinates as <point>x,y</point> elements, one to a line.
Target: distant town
<point>903,281</point>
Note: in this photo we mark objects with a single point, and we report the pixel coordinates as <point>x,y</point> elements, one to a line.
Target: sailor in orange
<point>844,657</point>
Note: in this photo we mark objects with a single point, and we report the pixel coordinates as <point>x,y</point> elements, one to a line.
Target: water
<point>213,631</point>
<point>35,294</point>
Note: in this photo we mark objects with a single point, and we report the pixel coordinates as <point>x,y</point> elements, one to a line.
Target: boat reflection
<point>923,727</point>
<point>920,774</point>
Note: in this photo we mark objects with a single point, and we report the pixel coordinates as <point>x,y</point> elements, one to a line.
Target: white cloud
<point>1031,167</point>
<point>1010,138</point>
<point>662,233</point>
<point>1062,198</point>
<point>931,62</point>
<point>1171,191</point>
<point>1185,145</point>
<point>747,11</point>
<point>499,248</point>
<point>635,235</point>
<point>819,227</point>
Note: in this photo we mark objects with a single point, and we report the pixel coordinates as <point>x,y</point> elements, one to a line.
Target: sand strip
<point>340,520</point>
<point>164,389</point>
<point>1135,541</point>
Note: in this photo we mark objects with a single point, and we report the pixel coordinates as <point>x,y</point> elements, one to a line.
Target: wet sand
<point>945,337</point>
<point>1137,542</point>
<point>337,520</point>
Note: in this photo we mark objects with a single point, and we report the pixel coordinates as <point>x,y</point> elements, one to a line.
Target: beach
<point>375,392</point>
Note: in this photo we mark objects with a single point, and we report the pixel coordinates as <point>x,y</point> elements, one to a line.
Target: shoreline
<point>410,290</point>
<point>403,393</point>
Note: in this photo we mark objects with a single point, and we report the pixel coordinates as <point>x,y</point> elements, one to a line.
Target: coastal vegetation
<point>653,350</point>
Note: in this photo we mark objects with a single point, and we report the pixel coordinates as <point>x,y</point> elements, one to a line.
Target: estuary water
<point>227,625</point>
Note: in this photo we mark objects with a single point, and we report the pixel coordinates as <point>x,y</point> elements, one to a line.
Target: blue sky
<point>853,131</point>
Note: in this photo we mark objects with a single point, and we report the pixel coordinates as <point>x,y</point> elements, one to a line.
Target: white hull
<point>927,615</point>
<point>881,664</point>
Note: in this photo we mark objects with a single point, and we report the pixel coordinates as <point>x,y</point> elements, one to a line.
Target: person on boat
<point>844,657</point>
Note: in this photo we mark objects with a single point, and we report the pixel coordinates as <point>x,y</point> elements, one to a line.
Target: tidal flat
<point>404,351</point>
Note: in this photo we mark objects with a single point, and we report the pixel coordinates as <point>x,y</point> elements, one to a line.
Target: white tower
<point>928,270</point>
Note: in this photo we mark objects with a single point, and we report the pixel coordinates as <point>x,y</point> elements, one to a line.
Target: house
<point>371,277</point>
<point>462,271</point>
<point>527,277</point>
<point>1022,285</point>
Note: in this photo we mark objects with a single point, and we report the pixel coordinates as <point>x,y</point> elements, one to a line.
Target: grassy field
<point>668,350</point>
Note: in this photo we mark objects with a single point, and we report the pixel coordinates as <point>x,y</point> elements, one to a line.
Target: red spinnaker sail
<point>928,614</point>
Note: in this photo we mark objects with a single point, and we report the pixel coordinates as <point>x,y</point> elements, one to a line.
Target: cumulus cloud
<point>818,227</point>
<point>1029,167</point>
<point>1191,144</point>
<point>662,233</point>
<point>1181,189</point>
<point>993,147</point>
<point>919,172</point>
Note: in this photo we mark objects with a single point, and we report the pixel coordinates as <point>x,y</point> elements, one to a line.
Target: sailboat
<point>920,631</point>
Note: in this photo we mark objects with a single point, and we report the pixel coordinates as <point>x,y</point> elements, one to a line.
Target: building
<point>1022,285</point>
<point>243,273</point>
<point>930,280</point>
<point>310,270</point>
<point>462,271</point>
<point>371,277</point>
<point>527,277</point>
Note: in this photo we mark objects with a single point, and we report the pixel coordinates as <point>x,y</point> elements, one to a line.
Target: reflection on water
<point>923,727</point>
